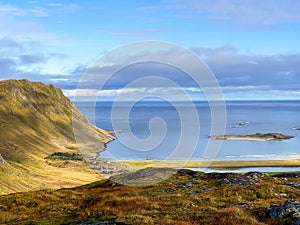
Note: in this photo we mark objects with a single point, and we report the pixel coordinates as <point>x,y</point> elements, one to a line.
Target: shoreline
<point>138,164</point>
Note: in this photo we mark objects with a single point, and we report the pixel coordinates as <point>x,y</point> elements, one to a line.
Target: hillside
<point>186,198</point>
<point>37,120</point>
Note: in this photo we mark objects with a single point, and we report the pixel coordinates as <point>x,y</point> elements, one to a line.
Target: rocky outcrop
<point>289,209</point>
<point>293,184</point>
<point>233,178</point>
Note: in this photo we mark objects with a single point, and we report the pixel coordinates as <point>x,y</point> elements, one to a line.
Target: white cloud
<point>11,10</point>
<point>55,4</point>
<point>246,88</point>
<point>262,95</point>
<point>39,12</point>
<point>247,11</point>
<point>129,94</point>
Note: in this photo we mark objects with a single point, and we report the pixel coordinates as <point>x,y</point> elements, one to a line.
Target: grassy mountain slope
<point>37,120</point>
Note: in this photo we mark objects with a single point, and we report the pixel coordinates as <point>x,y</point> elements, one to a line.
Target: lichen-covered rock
<point>289,209</point>
<point>293,184</point>
<point>233,178</point>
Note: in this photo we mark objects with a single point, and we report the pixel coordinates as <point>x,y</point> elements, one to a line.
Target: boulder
<point>233,178</point>
<point>289,209</point>
<point>293,184</point>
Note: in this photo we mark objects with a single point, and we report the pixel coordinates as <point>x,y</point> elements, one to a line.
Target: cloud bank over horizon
<point>250,46</point>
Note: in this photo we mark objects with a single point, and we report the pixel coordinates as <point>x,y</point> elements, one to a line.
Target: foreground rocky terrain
<point>183,197</point>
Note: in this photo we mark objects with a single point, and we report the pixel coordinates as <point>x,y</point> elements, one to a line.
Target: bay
<point>243,117</point>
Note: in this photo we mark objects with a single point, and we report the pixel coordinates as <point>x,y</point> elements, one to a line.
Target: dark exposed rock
<point>185,185</point>
<point>288,175</point>
<point>289,209</point>
<point>210,189</point>
<point>233,178</point>
<point>255,174</point>
<point>293,184</point>
<point>188,173</point>
<point>166,191</point>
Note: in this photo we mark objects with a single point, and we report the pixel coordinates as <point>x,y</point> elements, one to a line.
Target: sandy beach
<point>138,164</point>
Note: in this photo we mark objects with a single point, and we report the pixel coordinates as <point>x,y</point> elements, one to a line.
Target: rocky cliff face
<point>37,120</point>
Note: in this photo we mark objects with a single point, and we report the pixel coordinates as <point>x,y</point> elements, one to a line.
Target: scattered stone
<point>233,178</point>
<point>293,184</point>
<point>288,175</point>
<point>210,189</point>
<point>194,192</point>
<point>242,204</point>
<point>185,185</point>
<point>166,191</point>
<point>289,209</point>
<point>255,175</point>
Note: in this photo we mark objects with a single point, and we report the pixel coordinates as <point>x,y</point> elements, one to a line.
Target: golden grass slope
<point>37,120</point>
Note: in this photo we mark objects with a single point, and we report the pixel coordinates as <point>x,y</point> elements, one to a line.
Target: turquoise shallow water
<point>260,116</point>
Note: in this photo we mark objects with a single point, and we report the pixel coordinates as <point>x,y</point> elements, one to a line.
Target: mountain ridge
<point>37,120</point>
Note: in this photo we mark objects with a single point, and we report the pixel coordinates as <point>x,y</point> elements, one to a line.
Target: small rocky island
<point>254,137</point>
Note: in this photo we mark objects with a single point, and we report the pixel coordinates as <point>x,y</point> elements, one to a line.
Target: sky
<point>252,47</point>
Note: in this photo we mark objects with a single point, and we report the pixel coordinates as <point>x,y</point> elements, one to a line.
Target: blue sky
<point>251,46</point>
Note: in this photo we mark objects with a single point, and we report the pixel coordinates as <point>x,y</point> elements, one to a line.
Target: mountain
<point>36,122</point>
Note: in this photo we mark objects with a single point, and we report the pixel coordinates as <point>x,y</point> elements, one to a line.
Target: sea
<point>143,120</point>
